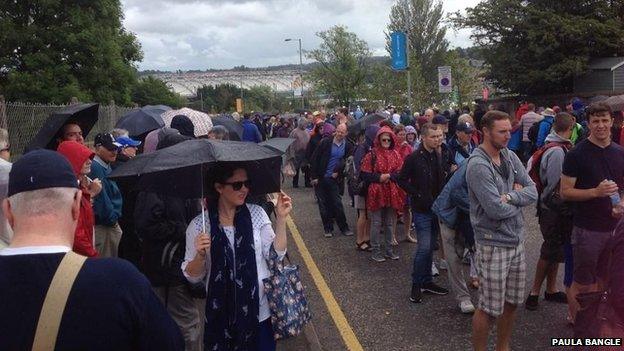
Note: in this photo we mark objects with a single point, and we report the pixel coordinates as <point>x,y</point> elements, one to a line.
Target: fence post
<point>3,117</point>
<point>112,113</point>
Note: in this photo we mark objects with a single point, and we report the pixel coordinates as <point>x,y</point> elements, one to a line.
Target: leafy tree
<point>390,87</point>
<point>153,91</point>
<point>466,78</point>
<point>342,64</point>
<point>55,49</point>
<point>427,43</point>
<point>540,47</point>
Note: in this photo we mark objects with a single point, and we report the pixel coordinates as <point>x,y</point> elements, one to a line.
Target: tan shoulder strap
<point>55,301</point>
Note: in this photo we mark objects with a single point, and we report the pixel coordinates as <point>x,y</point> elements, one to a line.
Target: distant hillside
<point>293,67</point>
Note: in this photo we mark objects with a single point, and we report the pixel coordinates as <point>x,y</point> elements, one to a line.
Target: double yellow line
<point>348,336</point>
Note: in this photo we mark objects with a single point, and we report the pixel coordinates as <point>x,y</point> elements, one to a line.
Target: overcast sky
<point>193,34</point>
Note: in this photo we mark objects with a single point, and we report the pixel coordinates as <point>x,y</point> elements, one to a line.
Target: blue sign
<point>398,50</point>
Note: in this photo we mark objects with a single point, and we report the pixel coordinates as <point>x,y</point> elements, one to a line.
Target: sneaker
<point>377,257</point>
<point>531,302</point>
<point>416,295</point>
<point>434,270</point>
<point>329,234</point>
<point>433,288</point>
<point>559,297</point>
<point>466,307</point>
<point>443,265</point>
<point>347,232</point>
<point>391,255</point>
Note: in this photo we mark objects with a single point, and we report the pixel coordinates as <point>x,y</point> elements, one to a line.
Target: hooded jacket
<point>387,161</point>
<point>251,132</point>
<point>453,198</point>
<point>77,154</point>
<point>184,125</point>
<point>551,164</point>
<point>498,223</point>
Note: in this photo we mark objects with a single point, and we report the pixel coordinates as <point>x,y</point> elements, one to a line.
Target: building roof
<point>606,63</point>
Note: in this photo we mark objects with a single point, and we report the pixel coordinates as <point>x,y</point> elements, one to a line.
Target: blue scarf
<point>232,301</point>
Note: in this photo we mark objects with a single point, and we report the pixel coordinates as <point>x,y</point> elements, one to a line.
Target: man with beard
<point>499,187</point>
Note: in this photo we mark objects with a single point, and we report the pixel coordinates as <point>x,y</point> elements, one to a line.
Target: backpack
<point>533,165</point>
<point>356,185</point>
<point>534,132</point>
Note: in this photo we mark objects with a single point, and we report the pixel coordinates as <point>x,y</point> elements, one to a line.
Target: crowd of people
<point>452,182</point>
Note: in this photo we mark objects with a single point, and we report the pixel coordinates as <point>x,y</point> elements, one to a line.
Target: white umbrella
<point>201,121</point>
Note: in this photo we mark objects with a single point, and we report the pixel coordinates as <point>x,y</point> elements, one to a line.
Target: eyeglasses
<point>386,140</point>
<point>236,186</point>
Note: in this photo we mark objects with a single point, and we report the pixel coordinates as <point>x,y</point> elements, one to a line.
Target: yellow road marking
<point>348,336</point>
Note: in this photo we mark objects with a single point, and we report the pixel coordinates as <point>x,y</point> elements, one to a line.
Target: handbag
<point>289,169</point>
<point>285,294</point>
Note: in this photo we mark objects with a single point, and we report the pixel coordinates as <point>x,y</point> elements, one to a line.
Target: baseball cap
<point>464,127</point>
<point>439,119</point>
<point>41,169</point>
<point>125,141</point>
<point>107,140</point>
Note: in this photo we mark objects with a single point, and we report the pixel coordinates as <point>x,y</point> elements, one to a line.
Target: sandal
<point>363,246</point>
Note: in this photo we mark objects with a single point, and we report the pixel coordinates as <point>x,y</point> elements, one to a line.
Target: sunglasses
<point>236,186</point>
<point>386,140</point>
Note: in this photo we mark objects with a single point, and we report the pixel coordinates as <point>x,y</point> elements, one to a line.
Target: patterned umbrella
<point>201,121</point>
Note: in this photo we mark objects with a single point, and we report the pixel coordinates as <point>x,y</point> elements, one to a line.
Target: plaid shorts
<point>502,277</point>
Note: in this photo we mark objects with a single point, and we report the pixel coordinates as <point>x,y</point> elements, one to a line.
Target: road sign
<point>398,51</point>
<point>445,81</point>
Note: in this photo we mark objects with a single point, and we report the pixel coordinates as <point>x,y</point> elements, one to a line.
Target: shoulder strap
<point>55,301</point>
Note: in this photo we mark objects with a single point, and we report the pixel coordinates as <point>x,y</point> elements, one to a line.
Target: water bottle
<point>615,199</point>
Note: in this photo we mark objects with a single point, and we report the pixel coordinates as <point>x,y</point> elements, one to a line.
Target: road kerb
<point>346,332</point>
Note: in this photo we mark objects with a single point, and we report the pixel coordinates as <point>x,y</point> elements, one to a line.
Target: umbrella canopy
<point>201,121</point>
<point>234,128</point>
<point>84,115</point>
<point>181,170</point>
<point>143,120</point>
<point>278,144</point>
<point>598,98</point>
<point>616,102</point>
<point>361,124</point>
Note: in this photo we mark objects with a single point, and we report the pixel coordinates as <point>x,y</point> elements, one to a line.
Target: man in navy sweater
<point>110,306</point>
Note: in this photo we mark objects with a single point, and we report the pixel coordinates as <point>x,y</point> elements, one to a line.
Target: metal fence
<point>23,121</point>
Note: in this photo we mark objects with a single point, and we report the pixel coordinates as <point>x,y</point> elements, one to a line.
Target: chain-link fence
<point>23,121</point>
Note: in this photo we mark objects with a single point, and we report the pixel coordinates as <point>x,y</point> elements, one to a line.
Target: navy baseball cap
<point>41,169</point>
<point>464,127</point>
<point>107,140</point>
<point>439,119</point>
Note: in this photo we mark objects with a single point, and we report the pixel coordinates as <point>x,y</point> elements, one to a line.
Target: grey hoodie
<point>496,223</point>
<point>551,165</point>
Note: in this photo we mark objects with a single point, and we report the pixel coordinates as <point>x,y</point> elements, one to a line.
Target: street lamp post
<point>300,69</point>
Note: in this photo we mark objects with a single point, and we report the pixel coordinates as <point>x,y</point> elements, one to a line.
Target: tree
<point>153,91</point>
<point>466,78</point>
<point>53,50</point>
<point>540,47</point>
<point>342,64</point>
<point>390,87</point>
<point>427,42</point>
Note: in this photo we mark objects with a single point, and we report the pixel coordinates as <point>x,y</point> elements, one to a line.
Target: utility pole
<point>300,70</point>
<point>407,53</point>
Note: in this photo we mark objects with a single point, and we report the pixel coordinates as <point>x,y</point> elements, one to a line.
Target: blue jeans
<point>426,235</point>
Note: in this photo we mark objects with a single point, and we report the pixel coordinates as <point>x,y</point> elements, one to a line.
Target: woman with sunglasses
<point>231,259</point>
<point>381,167</point>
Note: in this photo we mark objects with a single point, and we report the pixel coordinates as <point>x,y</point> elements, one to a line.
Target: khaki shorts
<point>360,202</point>
<point>502,277</point>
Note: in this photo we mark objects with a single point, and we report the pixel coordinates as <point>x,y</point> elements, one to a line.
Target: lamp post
<point>300,69</point>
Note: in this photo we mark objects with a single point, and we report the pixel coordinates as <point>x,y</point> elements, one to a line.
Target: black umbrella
<point>143,120</point>
<point>182,169</point>
<point>360,125</point>
<point>84,115</point>
<point>616,102</point>
<point>234,128</point>
<point>278,144</point>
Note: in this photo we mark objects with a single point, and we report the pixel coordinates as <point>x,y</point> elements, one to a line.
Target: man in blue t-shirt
<point>110,306</point>
<point>593,180</point>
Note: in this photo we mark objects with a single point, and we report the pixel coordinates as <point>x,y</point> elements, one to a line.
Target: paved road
<point>374,296</point>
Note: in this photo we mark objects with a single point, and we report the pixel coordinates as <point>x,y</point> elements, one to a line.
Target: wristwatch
<point>508,197</point>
